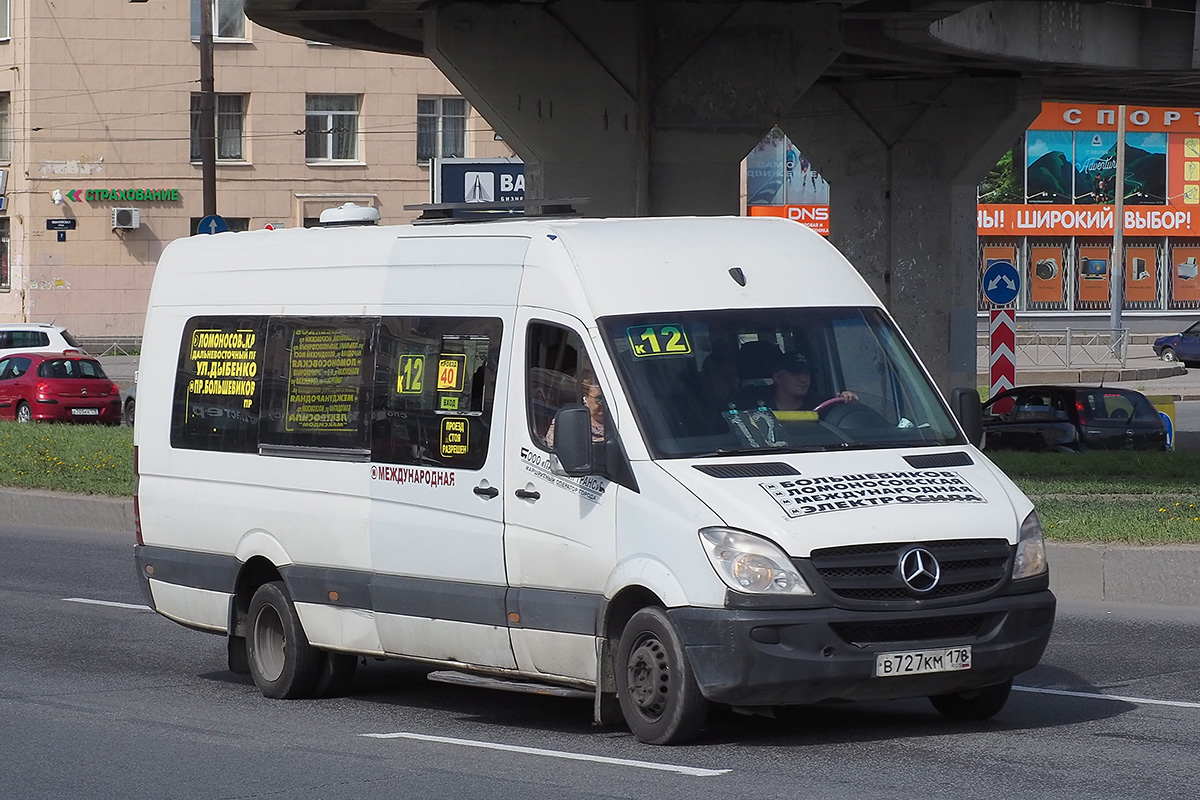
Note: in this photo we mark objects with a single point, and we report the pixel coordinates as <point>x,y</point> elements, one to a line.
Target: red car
<point>57,387</point>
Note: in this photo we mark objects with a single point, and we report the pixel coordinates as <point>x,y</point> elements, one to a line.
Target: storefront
<point>1050,211</point>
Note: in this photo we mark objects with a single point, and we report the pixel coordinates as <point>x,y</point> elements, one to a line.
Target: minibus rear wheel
<point>282,662</point>
<point>975,705</point>
<point>656,687</point>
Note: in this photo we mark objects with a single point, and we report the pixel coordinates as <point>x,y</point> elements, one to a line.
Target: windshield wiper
<point>892,445</point>
<point>759,451</point>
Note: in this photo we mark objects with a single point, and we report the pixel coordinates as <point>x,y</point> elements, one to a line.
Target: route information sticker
<point>800,497</point>
<point>658,340</point>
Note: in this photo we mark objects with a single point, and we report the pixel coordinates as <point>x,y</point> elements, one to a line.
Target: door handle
<point>528,495</point>
<point>486,491</point>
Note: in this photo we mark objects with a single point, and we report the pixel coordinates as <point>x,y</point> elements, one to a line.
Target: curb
<point>1167,575</point>
<point>59,510</point>
<point>1091,375</point>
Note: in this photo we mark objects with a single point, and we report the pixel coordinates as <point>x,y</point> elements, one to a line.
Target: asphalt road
<point>100,698</point>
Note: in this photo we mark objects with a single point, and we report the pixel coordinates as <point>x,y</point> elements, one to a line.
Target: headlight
<point>751,564</point>
<point>1031,549</point>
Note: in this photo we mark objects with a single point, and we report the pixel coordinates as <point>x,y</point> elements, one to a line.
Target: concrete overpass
<point>649,106</point>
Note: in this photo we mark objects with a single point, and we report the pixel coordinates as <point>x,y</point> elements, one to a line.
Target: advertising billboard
<point>478,180</point>
<point>782,182</point>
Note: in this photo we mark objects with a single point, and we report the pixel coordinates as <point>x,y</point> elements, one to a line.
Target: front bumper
<point>801,656</point>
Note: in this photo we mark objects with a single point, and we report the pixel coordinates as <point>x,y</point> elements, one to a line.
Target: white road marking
<point>537,751</point>
<point>1098,696</point>
<point>90,602</point>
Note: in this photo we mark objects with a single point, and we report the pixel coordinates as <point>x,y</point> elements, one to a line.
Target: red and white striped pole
<point>1002,358</point>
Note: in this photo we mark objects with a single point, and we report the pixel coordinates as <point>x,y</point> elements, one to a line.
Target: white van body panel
<point>749,504</point>
<point>348,630</point>
<point>198,608</point>
<point>624,267</point>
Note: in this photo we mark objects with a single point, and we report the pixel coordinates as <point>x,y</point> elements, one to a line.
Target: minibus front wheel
<point>282,662</point>
<point>656,687</point>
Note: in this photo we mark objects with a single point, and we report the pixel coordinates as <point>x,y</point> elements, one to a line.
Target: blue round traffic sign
<point>212,224</point>
<point>1001,282</point>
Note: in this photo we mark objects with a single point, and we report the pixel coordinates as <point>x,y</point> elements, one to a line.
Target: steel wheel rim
<point>648,671</point>
<point>269,643</point>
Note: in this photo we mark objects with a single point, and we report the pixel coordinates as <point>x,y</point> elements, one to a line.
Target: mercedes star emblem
<point>920,570</point>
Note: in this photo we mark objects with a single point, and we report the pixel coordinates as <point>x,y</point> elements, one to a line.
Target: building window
<point>5,129</point>
<point>5,14</point>
<point>331,127</point>
<point>230,127</point>
<point>5,276</point>
<point>228,19</point>
<point>441,127</point>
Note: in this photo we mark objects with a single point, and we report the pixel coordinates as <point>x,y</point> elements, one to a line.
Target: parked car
<point>1072,418</point>
<point>1184,347</point>
<point>36,337</point>
<point>130,403</point>
<point>57,387</point>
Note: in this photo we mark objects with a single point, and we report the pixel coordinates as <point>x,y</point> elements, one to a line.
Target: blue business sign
<point>486,180</point>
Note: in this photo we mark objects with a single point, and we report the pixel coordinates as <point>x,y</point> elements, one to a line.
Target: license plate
<point>921,662</point>
<point>86,412</point>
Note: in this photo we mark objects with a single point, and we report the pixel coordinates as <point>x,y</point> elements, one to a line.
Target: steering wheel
<point>833,401</point>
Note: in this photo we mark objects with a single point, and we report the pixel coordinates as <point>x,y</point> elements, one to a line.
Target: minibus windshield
<point>760,381</point>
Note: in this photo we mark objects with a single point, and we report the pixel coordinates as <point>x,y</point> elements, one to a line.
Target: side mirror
<point>573,441</point>
<point>969,411</point>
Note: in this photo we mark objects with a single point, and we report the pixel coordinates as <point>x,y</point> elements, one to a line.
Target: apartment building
<point>99,147</point>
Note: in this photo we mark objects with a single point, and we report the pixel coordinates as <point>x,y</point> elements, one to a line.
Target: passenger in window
<point>593,398</point>
<point>793,379</point>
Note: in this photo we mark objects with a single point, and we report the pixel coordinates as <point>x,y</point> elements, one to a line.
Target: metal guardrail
<point>111,345</point>
<point>1067,348</point>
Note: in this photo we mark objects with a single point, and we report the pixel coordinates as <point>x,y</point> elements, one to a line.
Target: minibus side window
<point>316,377</point>
<point>218,384</point>
<point>559,374</point>
<point>434,390</point>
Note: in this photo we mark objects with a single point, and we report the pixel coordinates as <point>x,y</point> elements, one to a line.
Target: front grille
<point>867,634</point>
<point>870,574</point>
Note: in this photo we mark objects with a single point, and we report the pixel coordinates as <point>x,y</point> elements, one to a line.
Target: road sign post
<point>1001,285</point>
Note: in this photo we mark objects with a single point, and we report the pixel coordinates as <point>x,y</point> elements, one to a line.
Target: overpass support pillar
<point>656,121</point>
<point>903,159</point>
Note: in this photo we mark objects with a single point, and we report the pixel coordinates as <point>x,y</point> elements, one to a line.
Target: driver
<point>793,378</point>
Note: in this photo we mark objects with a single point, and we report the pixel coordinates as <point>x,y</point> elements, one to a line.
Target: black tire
<point>656,687</point>
<point>975,705</point>
<point>337,674</point>
<point>1168,354</point>
<point>282,662</point>
<point>24,412</point>
<point>129,410</point>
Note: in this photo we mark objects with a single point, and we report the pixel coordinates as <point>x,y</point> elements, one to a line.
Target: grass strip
<point>1125,497</point>
<point>1140,498</point>
<point>84,459</point>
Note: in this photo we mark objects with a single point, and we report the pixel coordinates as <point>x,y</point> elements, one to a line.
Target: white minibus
<point>668,463</point>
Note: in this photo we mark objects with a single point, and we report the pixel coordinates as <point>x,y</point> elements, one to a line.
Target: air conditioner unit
<point>126,218</point>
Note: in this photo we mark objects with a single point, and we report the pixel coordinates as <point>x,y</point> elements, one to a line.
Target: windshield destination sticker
<point>804,496</point>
